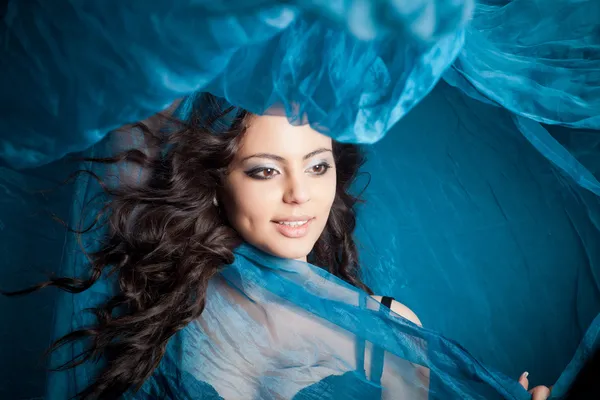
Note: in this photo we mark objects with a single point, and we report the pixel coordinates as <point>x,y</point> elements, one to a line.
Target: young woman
<point>224,181</point>
<point>215,294</point>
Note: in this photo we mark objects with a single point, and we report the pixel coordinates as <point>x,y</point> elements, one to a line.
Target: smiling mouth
<point>293,223</point>
<point>294,229</point>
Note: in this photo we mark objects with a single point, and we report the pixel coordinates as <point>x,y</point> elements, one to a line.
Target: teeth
<point>293,223</point>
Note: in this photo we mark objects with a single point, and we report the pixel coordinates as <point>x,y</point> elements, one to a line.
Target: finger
<point>540,393</point>
<point>524,381</point>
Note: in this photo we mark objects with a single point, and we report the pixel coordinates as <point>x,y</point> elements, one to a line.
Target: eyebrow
<point>281,159</point>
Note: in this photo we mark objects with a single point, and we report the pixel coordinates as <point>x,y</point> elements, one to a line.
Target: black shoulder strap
<point>387,301</point>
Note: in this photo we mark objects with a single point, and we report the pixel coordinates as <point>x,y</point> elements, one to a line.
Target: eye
<point>262,173</point>
<point>319,169</point>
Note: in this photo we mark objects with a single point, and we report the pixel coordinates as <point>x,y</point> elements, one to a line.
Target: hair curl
<point>166,240</point>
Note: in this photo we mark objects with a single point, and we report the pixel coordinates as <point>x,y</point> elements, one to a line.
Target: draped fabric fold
<point>540,60</point>
<point>84,69</point>
<point>278,326</point>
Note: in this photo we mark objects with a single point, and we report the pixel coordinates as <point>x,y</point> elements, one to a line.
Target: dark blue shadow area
<point>31,244</point>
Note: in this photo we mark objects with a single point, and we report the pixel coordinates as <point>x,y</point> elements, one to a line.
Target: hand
<point>538,392</point>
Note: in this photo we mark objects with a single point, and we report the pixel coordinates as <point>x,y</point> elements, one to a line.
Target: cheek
<point>324,192</point>
<point>323,202</point>
<point>249,204</point>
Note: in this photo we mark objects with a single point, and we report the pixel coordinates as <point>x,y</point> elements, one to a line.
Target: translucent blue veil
<point>482,212</point>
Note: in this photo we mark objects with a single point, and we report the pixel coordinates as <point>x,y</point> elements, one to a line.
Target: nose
<point>297,190</point>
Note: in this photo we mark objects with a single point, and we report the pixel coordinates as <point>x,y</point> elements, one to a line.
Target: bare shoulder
<point>402,310</point>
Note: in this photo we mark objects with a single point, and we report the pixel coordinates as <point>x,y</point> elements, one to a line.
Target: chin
<point>290,250</point>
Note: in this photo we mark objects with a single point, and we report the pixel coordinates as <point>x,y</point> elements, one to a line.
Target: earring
<point>215,202</point>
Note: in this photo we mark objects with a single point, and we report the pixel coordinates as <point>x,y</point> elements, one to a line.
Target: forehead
<point>274,134</point>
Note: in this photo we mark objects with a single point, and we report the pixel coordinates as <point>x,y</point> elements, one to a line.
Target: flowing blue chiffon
<point>160,51</point>
<point>548,72</point>
<point>489,202</point>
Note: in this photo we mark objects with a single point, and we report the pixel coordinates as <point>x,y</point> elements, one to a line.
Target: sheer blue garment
<point>293,341</point>
<point>489,202</point>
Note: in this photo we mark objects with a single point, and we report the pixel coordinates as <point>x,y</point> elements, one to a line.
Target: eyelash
<point>253,173</point>
<point>325,166</point>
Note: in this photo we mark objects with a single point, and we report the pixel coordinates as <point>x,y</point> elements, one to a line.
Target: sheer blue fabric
<point>547,73</point>
<point>491,216</point>
<point>162,51</point>
<point>307,314</point>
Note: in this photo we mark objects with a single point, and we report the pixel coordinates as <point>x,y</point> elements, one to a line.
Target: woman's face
<point>280,187</point>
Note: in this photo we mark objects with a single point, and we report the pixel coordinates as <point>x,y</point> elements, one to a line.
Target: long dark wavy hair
<point>166,239</point>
